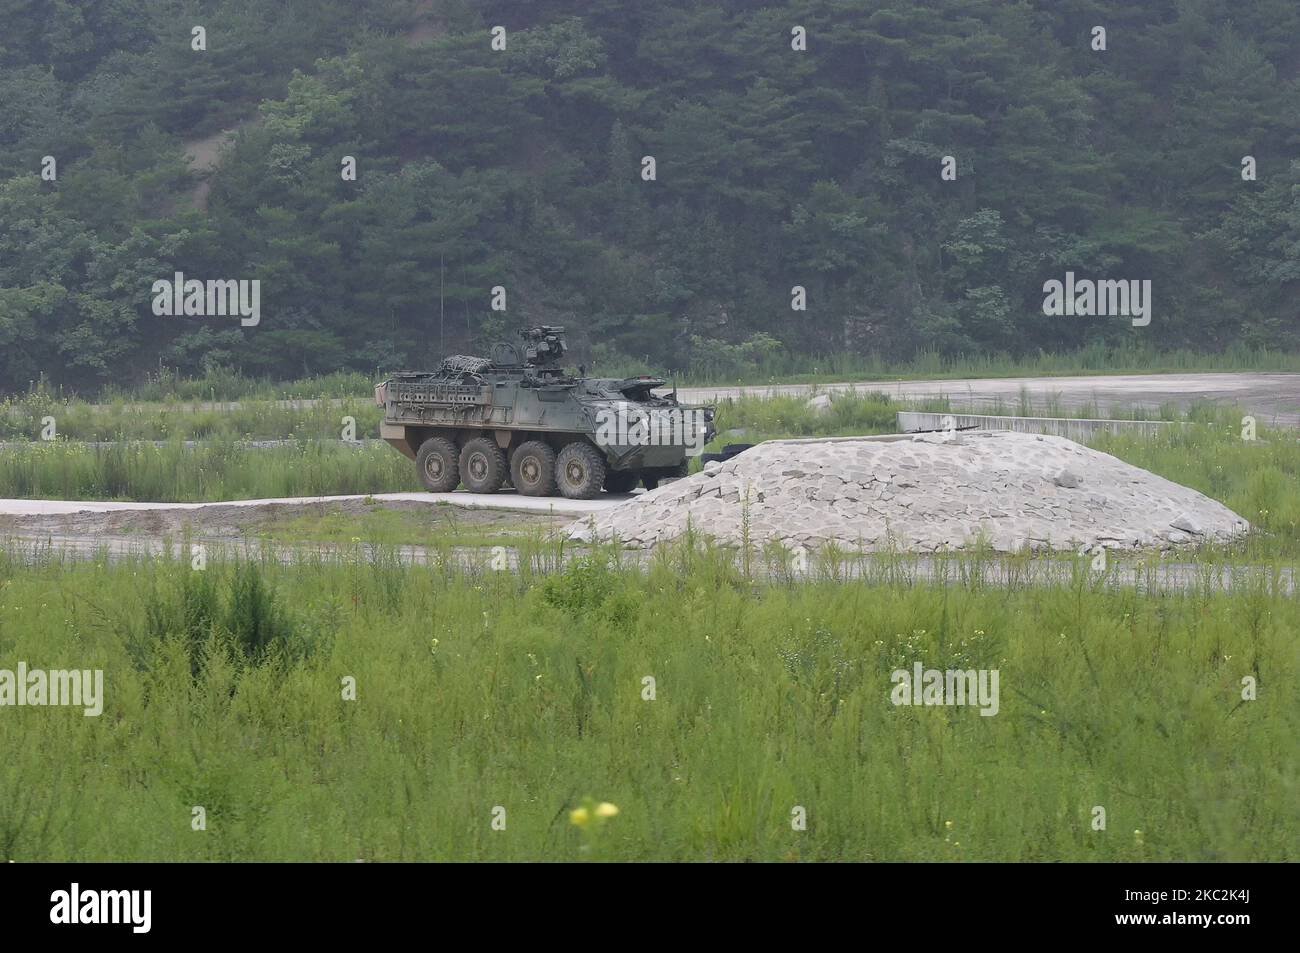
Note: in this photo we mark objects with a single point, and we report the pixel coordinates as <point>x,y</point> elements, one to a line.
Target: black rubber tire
<point>483,465</point>
<point>621,481</point>
<point>580,471</point>
<point>438,464</point>
<point>532,469</point>
<point>650,482</point>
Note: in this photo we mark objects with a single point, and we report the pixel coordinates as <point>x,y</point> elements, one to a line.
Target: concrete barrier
<point>1074,428</point>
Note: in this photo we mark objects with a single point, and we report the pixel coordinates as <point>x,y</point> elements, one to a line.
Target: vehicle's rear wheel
<point>580,471</point>
<point>482,465</point>
<point>532,469</point>
<point>650,482</point>
<point>438,466</point>
<point>621,481</point>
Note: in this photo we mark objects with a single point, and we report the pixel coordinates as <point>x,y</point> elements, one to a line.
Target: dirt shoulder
<point>403,521</point>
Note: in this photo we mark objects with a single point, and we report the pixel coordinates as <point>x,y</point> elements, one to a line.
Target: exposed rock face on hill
<point>924,494</point>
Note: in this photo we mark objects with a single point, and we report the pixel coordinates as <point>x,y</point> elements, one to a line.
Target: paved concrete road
<point>505,500</point>
<point>1272,398</point>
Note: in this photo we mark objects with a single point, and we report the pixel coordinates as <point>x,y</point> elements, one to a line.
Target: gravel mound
<point>923,493</point>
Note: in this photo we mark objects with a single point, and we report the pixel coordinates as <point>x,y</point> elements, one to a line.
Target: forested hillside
<point>524,168</point>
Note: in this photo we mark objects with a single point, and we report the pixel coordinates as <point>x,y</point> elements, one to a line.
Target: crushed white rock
<point>929,493</point>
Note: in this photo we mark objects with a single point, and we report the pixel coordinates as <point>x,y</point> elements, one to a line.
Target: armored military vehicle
<point>517,416</point>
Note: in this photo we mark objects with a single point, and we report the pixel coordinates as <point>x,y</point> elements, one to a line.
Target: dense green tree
<point>775,167</point>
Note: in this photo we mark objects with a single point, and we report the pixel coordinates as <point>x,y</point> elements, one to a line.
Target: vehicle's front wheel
<point>438,466</point>
<point>580,471</point>
<point>482,465</point>
<point>532,469</point>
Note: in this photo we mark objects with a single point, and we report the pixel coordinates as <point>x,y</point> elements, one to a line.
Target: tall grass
<point>1259,479</point>
<point>23,419</point>
<point>772,417</point>
<point>218,471</point>
<point>224,384</point>
<point>483,690</point>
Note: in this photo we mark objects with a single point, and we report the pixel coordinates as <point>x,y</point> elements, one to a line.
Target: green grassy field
<point>224,690</point>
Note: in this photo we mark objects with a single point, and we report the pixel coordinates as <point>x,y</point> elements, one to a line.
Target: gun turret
<point>543,345</point>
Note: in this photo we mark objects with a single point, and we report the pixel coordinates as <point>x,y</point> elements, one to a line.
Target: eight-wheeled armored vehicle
<point>518,416</point>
